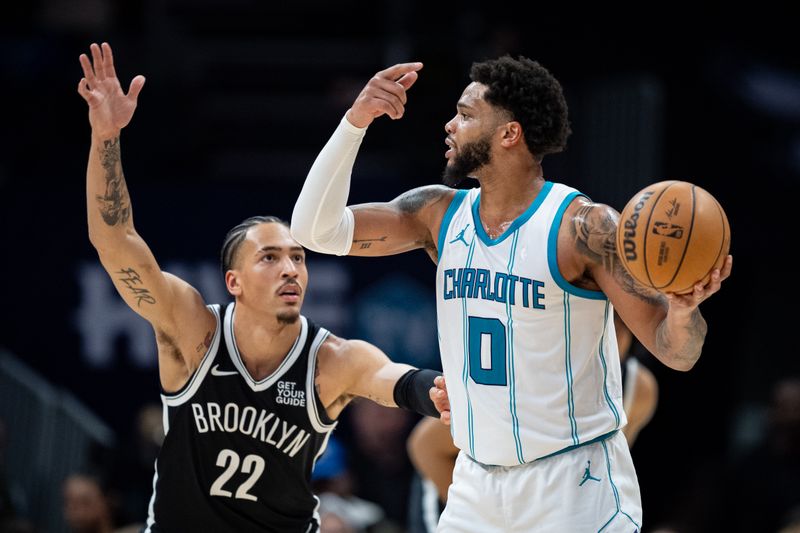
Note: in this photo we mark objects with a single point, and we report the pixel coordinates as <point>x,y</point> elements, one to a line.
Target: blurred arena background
<point>240,97</point>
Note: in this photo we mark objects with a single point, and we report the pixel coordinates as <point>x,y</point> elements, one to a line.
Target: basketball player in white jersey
<point>251,390</point>
<point>433,454</point>
<point>527,283</point>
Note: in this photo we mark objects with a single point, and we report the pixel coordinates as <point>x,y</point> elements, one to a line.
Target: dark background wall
<point>241,95</point>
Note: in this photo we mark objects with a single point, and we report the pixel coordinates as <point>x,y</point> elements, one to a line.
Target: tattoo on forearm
<point>366,243</point>
<point>414,200</point>
<point>695,335</point>
<point>133,282</point>
<point>115,205</point>
<point>631,286</point>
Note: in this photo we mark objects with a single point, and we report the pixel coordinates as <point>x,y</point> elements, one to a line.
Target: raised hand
<point>384,94</point>
<point>110,109</point>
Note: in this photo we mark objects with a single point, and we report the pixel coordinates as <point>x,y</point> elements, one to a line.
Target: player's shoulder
<point>335,347</point>
<point>592,225</point>
<point>336,353</point>
<point>341,361</point>
<point>425,198</point>
<point>586,211</point>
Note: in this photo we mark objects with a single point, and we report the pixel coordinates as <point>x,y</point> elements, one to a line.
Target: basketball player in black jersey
<point>251,391</point>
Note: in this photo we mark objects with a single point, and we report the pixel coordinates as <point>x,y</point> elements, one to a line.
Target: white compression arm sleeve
<point>321,220</point>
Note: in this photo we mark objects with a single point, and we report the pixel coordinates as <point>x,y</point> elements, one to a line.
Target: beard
<point>469,158</point>
<point>288,316</point>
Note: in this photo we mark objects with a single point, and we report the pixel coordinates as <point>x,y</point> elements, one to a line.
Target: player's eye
<point>268,258</point>
<point>298,258</point>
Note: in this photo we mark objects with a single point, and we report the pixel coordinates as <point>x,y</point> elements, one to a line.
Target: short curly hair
<point>532,95</point>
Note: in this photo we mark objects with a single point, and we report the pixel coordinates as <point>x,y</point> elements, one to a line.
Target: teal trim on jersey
<point>616,493</point>
<point>552,255</point>
<point>602,437</point>
<point>605,367</point>
<point>455,203</point>
<point>510,354</point>
<point>519,221</point>
<point>465,372</point>
<point>568,370</point>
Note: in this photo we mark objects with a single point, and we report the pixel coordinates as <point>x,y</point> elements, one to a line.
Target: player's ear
<point>232,283</point>
<point>511,133</point>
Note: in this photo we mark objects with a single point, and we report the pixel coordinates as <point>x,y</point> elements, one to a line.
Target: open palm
<point>110,109</point>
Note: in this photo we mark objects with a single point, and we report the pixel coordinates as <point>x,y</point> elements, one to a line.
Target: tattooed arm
<point>408,222</point>
<point>671,327</point>
<point>174,308</point>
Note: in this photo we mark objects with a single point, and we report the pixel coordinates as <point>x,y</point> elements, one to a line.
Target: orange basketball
<point>671,235</point>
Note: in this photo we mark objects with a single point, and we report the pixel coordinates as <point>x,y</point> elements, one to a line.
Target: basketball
<point>671,235</point>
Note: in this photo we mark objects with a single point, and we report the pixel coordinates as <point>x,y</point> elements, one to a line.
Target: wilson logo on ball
<point>629,225</point>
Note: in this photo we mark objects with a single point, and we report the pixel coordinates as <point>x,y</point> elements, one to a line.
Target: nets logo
<point>288,395</point>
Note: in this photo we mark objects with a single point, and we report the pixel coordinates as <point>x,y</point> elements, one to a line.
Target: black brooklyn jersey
<point>238,453</point>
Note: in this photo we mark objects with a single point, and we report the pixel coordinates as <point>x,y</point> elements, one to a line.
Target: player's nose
<point>289,268</point>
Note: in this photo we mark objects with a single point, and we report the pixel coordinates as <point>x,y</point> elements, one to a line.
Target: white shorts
<point>589,488</point>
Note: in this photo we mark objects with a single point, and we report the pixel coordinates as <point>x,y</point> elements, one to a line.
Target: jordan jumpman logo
<point>587,475</point>
<point>460,237</point>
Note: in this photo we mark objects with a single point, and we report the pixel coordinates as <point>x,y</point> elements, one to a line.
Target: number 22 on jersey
<point>230,461</point>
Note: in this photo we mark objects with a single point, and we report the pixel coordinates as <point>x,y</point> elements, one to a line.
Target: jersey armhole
<point>317,415</point>
<point>552,253</point>
<point>190,387</point>
<point>455,203</point>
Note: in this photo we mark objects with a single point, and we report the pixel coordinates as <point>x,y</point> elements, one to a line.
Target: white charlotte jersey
<point>531,361</point>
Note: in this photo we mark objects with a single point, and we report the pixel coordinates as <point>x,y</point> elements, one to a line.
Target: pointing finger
<point>396,72</point>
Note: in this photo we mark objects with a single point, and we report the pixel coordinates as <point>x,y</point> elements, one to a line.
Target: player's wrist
<point>105,134</point>
<point>355,122</point>
<point>411,392</point>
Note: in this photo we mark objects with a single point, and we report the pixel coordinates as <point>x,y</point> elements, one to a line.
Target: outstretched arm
<point>164,300</point>
<point>321,219</point>
<point>350,369</point>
